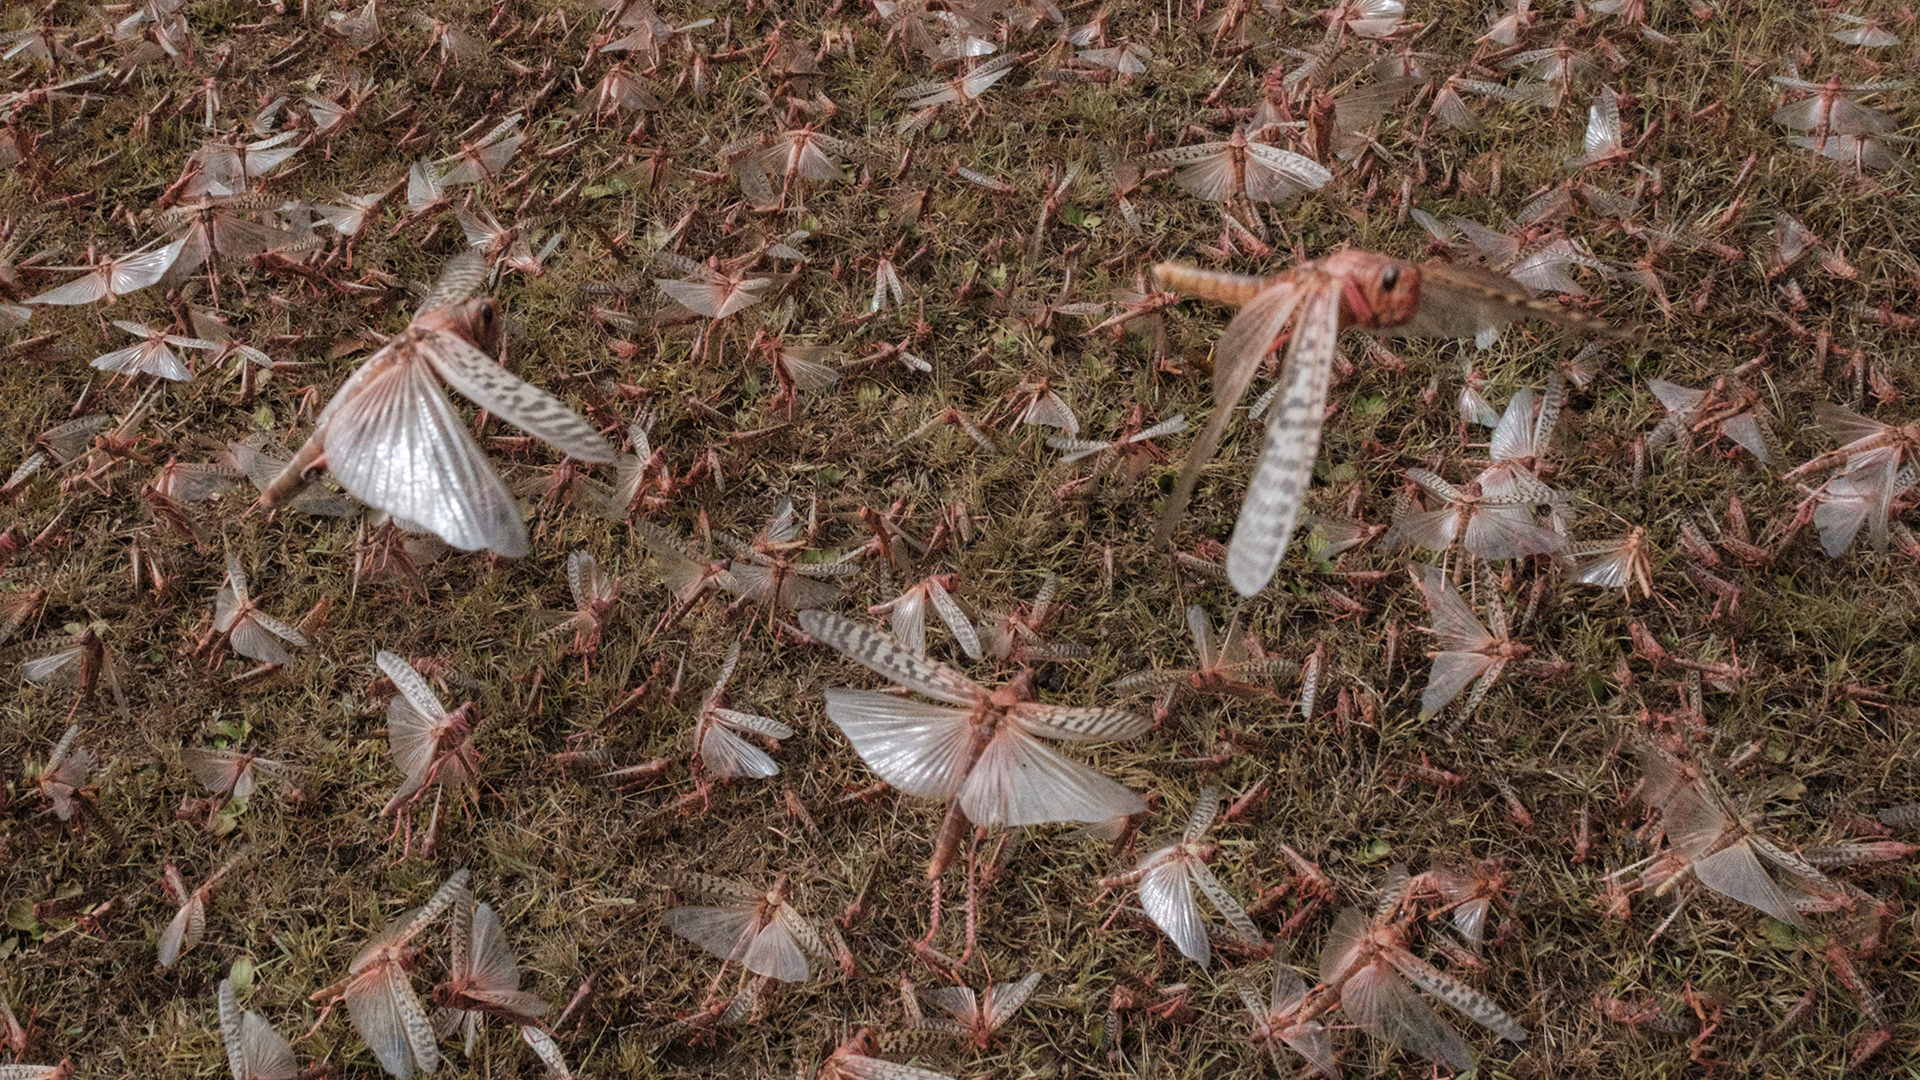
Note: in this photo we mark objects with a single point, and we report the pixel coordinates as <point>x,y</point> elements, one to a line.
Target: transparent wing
<point>1388,1009</point>
<point>1453,621</point>
<point>1737,872</point>
<point>1018,781</point>
<point>265,1053</point>
<point>1451,673</point>
<point>728,755</point>
<point>1512,438</point>
<point>1462,300</point>
<point>918,748</point>
<point>184,932</point>
<point>385,1011</point>
<point>491,963</point>
<point>397,444</point>
<point>723,931</point>
<point>958,1000</point>
<point>1166,894</point>
<point>251,639</point>
<point>909,620</point>
<point>1745,430</point>
<point>1508,532</point>
<point>773,952</point>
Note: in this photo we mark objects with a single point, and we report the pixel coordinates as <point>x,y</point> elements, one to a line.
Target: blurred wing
<point>1745,430</point>
<point>1383,1004</point>
<point>857,1067</point>
<point>507,396</point>
<point>464,275</point>
<point>1460,300</point>
<point>1236,358</point>
<point>189,925</point>
<point>1279,485</point>
<point>722,931</point>
<point>918,748</point>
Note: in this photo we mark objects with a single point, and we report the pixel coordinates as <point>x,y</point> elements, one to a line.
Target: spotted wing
<point>499,391</point>
<point>1279,485</point>
<point>888,658</point>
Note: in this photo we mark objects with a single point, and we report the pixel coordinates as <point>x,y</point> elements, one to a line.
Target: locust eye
<point>486,311</point>
<point>1390,277</point>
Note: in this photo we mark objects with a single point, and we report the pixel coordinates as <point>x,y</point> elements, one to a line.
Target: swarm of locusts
<point>478,476</point>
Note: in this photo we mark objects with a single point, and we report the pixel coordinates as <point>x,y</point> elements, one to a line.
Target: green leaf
<point>241,975</point>
<point>1375,851</point>
<point>20,917</point>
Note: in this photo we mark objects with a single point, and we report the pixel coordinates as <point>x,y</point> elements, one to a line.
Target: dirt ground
<point>1806,706</point>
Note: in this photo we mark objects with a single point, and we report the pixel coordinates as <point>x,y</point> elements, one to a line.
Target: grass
<point>569,860</point>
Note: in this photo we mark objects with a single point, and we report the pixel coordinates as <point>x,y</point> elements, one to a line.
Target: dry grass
<point>568,860</point>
